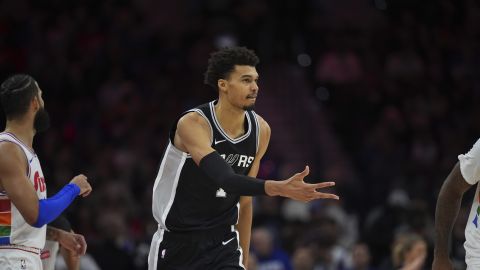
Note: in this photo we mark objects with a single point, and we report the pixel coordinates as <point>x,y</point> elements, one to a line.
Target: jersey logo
<point>221,193</point>
<point>243,160</point>
<point>30,161</point>
<point>477,214</point>
<point>163,253</point>
<point>228,241</point>
<point>23,264</point>
<point>220,141</point>
<point>39,182</point>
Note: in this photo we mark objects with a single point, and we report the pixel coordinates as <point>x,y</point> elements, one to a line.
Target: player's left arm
<point>244,225</point>
<point>71,241</point>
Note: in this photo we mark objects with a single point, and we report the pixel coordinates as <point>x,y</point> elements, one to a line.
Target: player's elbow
<point>31,219</point>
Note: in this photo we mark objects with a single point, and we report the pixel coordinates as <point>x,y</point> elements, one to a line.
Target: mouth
<point>252,97</point>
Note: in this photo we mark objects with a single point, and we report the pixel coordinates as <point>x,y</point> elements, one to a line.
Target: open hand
<point>295,188</point>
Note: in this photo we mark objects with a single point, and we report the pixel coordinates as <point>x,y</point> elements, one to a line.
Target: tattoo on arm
<point>52,233</point>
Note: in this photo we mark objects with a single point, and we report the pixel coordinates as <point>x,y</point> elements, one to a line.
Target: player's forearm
<point>52,233</point>
<point>223,174</point>
<point>51,208</point>
<point>244,226</point>
<point>448,205</point>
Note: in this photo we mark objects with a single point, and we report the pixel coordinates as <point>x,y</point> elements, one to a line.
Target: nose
<point>255,86</point>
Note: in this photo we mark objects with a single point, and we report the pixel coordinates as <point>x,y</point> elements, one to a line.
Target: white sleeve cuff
<point>470,164</point>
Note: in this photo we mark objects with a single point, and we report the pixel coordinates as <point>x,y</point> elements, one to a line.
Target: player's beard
<point>249,107</point>
<point>41,121</point>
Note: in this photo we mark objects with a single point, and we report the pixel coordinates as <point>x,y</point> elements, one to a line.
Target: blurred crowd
<point>397,81</point>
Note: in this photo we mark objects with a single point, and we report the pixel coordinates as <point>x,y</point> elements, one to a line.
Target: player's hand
<point>73,242</point>
<point>442,263</point>
<point>82,182</point>
<point>295,188</point>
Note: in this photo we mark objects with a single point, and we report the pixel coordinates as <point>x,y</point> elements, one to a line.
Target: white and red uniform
<point>20,243</point>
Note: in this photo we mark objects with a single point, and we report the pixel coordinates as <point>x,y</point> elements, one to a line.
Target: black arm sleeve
<point>62,223</point>
<point>219,171</point>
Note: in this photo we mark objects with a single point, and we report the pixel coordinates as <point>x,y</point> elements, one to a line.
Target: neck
<point>231,119</point>
<point>22,130</point>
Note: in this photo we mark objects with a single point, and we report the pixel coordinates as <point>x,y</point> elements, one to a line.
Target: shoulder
<point>263,125</point>
<point>10,153</point>
<point>9,148</point>
<point>192,120</point>
<point>192,117</point>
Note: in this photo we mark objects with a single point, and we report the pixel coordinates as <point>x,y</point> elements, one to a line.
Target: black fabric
<point>61,223</point>
<point>218,170</point>
<point>213,249</point>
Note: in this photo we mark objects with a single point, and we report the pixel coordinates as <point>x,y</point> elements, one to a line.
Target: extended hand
<point>295,188</point>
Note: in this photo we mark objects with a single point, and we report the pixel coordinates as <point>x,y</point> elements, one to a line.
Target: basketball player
<point>463,176</point>
<point>24,208</point>
<point>201,194</point>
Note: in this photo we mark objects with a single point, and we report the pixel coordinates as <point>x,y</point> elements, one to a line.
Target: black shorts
<point>214,249</point>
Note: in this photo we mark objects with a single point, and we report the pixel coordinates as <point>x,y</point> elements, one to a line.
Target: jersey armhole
<point>257,125</point>
<point>200,112</point>
<point>24,154</point>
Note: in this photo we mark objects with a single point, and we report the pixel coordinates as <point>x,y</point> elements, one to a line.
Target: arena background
<point>380,96</point>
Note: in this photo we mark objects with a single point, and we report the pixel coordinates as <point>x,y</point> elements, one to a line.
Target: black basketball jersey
<point>184,197</point>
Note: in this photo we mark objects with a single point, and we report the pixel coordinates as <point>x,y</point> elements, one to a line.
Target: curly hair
<point>222,63</point>
<point>16,94</point>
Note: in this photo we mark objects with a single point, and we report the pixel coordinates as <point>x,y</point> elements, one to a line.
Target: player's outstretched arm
<point>448,205</point>
<point>295,188</point>
<point>193,136</point>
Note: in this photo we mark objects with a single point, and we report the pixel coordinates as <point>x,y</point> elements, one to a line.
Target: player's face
<point>241,87</point>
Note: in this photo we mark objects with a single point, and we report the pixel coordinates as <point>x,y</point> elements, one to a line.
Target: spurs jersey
<point>14,230</point>
<point>184,197</point>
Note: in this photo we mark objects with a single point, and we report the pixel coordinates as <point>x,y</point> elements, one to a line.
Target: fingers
<point>305,172</point>
<point>321,195</point>
<point>299,176</point>
<point>87,191</point>
<point>75,243</point>
<point>323,185</point>
<point>82,244</point>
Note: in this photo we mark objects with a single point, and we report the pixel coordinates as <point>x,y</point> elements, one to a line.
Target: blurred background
<point>378,95</point>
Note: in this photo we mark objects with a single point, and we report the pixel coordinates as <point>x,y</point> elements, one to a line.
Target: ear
<point>222,85</point>
<point>35,103</point>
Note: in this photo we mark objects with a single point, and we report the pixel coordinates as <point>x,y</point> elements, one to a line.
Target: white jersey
<point>14,230</point>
